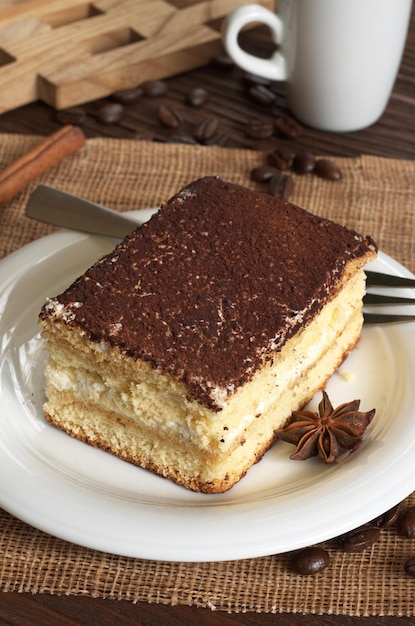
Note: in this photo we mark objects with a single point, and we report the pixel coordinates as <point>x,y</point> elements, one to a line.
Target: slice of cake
<point>188,346</point>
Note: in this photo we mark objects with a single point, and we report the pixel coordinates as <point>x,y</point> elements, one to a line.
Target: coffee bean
<point>128,96</point>
<point>274,183</point>
<point>406,524</point>
<point>389,518</point>
<point>111,113</point>
<point>288,127</point>
<point>262,94</point>
<point>182,139</point>
<point>154,88</point>
<point>287,187</point>
<point>310,561</point>
<point>282,158</point>
<point>303,162</point>
<point>327,169</point>
<point>75,116</point>
<point>263,173</point>
<point>206,129</point>
<point>218,139</point>
<point>281,186</point>
<point>197,97</point>
<point>409,566</point>
<point>258,129</point>
<point>360,539</point>
<point>168,116</point>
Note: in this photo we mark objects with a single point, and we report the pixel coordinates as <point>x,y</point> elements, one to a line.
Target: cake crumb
<point>347,375</point>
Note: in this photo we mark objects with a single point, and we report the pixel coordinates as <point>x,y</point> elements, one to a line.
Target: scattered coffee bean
<point>303,162</point>
<point>310,561</point>
<point>168,116</point>
<point>258,129</point>
<point>262,94</point>
<point>154,88</point>
<point>206,129</point>
<point>263,173</point>
<point>288,127</point>
<point>111,113</point>
<point>182,139</point>
<point>410,566</point>
<point>281,158</point>
<point>128,96</point>
<point>327,169</point>
<point>288,187</point>
<point>389,518</point>
<point>197,97</point>
<point>274,183</point>
<point>360,539</point>
<point>406,524</point>
<point>218,139</point>
<point>281,186</point>
<point>75,116</point>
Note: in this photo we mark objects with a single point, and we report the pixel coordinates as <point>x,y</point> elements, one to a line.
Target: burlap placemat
<point>377,197</point>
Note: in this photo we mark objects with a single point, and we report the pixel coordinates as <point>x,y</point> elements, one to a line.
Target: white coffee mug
<point>339,58</point>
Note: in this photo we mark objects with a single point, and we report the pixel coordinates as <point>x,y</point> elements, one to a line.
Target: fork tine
<point>385,318</point>
<point>377,279</point>
<point>377,298</point>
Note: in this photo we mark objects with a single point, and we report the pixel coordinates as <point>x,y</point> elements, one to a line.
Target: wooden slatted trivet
<point>67,53</point>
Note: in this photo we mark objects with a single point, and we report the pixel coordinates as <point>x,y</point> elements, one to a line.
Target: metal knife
<point>60,208</point>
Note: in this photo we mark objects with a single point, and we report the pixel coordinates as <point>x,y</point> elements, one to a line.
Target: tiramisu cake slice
<point>188,346</point>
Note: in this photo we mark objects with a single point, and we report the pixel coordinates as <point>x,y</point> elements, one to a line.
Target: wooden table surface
<point>229,100</point>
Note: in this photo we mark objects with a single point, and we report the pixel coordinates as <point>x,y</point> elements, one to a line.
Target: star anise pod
<point>327,433</point>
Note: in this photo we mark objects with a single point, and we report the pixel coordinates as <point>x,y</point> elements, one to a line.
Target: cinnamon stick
<point>38,160</point>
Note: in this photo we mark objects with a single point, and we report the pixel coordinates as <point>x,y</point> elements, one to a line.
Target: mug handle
<point>273,68</point>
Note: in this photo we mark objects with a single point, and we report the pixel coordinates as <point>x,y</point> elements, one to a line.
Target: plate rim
<point>48,247</point>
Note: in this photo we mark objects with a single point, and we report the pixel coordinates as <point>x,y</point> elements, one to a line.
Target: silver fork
<point>63,209</point>
<point>377,279</point>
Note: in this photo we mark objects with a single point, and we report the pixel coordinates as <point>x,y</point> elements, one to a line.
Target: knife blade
<point>60,208</point>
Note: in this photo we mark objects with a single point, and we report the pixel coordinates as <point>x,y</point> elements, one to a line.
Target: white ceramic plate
<point>88,497</point>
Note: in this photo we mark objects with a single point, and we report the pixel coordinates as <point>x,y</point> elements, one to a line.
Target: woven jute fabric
<point>376,197</point>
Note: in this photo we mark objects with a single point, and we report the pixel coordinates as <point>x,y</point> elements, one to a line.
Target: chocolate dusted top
<point>211,284</point>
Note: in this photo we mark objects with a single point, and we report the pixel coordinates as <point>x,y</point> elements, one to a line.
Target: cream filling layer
<point>148,401</point>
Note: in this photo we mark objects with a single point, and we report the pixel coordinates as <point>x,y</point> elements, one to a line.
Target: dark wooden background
<point>229,100</point>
